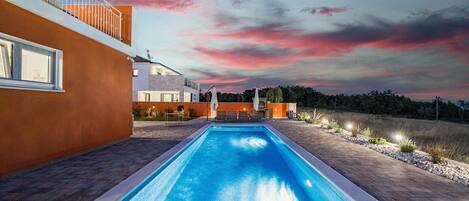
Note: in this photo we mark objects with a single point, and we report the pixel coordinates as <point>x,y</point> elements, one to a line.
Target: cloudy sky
<point>417,48</point>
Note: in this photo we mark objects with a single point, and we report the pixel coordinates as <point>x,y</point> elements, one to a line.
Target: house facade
<point>65,79</point>
<point>156,82</point>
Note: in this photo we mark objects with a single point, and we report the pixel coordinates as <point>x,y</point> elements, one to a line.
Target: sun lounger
<point>231,116</point>
<point>254,116</point>
<point>243,116</point>
<point>221,116</point>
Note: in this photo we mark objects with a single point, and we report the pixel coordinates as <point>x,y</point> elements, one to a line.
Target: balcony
<point>99,14</point>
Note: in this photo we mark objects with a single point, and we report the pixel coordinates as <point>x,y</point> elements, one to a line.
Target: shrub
<point>190,112</point>
<point>366,132</point>
<point>377,141</point>
<point>339,130</point>
<point>180,108</point>
<point>333,125</point>
<point>407,146</point>
<point>437,154</point>
<point>148,112</point>
<point>136,111</point>
<point>356,131</point>
<point>316,117</point>
<point>302,116</point>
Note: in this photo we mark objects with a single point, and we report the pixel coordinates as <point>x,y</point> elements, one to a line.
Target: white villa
<point>155,82</point>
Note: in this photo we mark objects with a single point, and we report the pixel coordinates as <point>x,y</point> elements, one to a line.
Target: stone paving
<point>381,176</point>
<point>87,176</point>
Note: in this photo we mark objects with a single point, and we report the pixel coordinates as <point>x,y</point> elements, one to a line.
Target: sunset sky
<point>417,48</point>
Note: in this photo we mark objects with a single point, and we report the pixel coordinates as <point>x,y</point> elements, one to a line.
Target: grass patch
<point>407,146</point>
<point>426,134</point>
<point>378,141</point>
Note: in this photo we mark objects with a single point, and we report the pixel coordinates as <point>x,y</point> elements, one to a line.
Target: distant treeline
<point>374,102</point>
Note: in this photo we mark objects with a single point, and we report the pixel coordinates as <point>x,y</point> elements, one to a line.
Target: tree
<point>278,96</point>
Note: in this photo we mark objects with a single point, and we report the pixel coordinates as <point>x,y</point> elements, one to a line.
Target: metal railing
<point>191,84</point>
<point>99,14</point>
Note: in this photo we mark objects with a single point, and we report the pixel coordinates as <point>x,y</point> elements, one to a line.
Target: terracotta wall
<point>94,110</point>
<point>280,110</point>
<point>199,108</point>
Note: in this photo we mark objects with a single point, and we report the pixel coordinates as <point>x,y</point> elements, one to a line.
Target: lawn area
<point>453,137</point>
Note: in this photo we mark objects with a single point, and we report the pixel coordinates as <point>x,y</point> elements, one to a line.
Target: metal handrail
<point>99,14</point>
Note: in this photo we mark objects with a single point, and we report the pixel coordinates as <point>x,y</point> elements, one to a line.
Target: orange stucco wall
<point>280,110</point>
<point>94,110</point>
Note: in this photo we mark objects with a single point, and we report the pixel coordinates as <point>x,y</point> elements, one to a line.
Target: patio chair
<point>254,116</point>
<point>243,116</point>
<point>231,116</point>
<point>221,116</point>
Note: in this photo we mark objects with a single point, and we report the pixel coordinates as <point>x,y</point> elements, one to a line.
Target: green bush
<point>302,116</point>
<point>437,154</point>
<point>136,111</point>
<point>180,108</point>
<point>316,117</point>
<point>407,146</point>
<point>377,141</point>
<point>190,112</point>
<point>339,130</point>
<point>356,131</point>
<point>366,132</point>
<point>333,125</point>
<point>148,112</point>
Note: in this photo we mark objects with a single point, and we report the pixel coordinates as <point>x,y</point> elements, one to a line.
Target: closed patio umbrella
<point>214,103</point>
<point>255,100</point>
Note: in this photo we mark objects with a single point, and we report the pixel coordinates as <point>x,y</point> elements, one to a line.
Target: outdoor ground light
<point>398,137</point>
<point>349,126</point>
<point>325,121</point>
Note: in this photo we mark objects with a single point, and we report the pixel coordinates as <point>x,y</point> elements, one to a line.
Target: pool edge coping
<point>120,190</point>
<point>344,184</point>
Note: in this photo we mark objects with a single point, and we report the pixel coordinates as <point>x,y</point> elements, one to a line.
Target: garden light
<point>325,121</point>
<point>349,126</point>
<point>398,137</point>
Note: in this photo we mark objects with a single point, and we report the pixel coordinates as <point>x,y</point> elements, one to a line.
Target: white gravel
<point>450,169</point>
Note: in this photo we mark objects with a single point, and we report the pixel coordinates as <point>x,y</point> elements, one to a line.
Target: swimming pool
<point>239,162</point>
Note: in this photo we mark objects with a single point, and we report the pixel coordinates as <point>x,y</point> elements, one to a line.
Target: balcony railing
<point>97,13</point>
<point>191,84</point>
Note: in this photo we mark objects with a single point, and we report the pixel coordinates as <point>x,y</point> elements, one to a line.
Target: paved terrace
<point>381,176</point>
<point>87,176</point>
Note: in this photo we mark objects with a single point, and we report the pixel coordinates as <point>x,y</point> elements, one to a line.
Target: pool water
<point>236,163</point>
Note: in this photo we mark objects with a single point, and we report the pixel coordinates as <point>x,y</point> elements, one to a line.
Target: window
<point>26,65</point>
<point>167,97</point>
<point>147,97</point>
<point>5,59</point>
<point>135,72</point>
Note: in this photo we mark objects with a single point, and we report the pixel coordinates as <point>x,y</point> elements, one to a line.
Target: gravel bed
<point>449,169</point>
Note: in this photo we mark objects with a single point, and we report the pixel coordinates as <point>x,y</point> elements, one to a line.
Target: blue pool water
<point>236,163</point>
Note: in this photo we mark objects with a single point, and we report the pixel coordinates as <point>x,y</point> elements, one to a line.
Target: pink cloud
<point>216,80</point>
<point>439,29</point>
<point>250,57</point>
<point>171,5</point>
